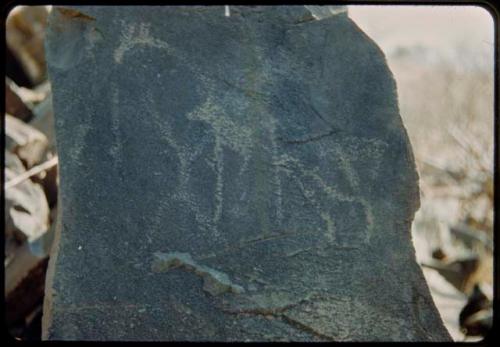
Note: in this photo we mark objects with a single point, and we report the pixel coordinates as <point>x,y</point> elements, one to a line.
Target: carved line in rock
<point>226,133</point>
<point>137,35</point>
<point>116,149</point>
<point>260,115</point>
<point>133,36</point>
<point>239,138</point>
<point>216,120</point>
<point>292,166</point>
<point>185,155</point>
<point>75,148</point>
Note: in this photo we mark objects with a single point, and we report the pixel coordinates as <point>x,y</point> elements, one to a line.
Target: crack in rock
<point>304,327</point>
<point>271,304</point>
<point>274,304</point>
<point>309,139</point>
<point>214,282</point>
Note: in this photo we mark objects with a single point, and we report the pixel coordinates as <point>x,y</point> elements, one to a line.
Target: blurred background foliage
<point>442,60</point>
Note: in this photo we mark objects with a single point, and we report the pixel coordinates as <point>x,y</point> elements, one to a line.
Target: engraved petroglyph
<point>116,148</point>
<point>227,132</point>
<point>276,172</point>
<point>134,35</point>
<point>185,156</point>
<point>206,172</point>
<point>219,184</point>
<point>346,166</point>
<point>330,226</point>
<point>240,137</point>
<point>166,133</point>
<point>237,137</point>
<point>293,167</point>
<point>79,133</point>
<point>353,178</point>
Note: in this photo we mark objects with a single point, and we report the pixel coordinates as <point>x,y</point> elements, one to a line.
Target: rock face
<point>230,178</point>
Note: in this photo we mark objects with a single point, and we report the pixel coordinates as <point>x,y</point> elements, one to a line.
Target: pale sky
<point>440,28</point>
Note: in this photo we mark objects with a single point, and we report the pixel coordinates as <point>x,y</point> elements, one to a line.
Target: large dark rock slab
<point>241,177</point>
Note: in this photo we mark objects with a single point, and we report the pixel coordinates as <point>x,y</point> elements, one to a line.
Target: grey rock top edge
<point>326,11</point>
<point>230,178</point>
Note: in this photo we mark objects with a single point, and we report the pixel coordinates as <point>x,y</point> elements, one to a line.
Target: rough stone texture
<point>262,151</point>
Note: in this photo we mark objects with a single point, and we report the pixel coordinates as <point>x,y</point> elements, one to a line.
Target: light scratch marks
<point>137,36</point>
<point>117,147</point>
<point>330,226</point>
<point>219,184</point>
<point>228,133</point>
<point>276,171</point>
<point>291,165</point>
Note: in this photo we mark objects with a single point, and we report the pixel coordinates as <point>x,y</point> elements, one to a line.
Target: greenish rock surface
<point>241,177</point>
